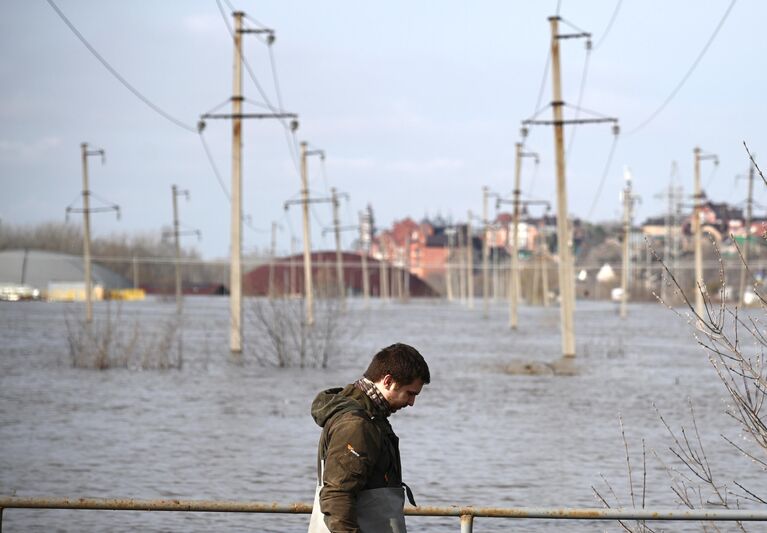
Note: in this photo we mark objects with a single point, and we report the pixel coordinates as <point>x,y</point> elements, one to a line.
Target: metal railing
<point>466,514</point>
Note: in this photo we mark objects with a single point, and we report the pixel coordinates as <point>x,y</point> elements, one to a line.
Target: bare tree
<point>111,341</point>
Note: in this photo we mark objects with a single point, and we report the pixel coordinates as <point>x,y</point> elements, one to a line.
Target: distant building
<point>287,275</point>
<point>55,274</point>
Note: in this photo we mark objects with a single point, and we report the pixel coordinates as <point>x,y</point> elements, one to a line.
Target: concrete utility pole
<point>628,206</point>
<point>176,243</point>
<point>448,264</point>
<point>461,266</point>
<point>514,281</point>
<point>235,269</point>
<point>272,257</point>
<point>339,263</point>
<point>485,255</point>
<point>364,250</point>
<point>86,211</point>
<point>235,251</point>
<point>469,263</point>
<point>747,241</point>
<point>308,289</point>
<point>564,238</point>
<point>384,274</point>
<point>564,235</point>
<point>700,283</point>
<point>135,272</point>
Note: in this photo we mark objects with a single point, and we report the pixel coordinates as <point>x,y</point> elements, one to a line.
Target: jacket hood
<point>332,402</point>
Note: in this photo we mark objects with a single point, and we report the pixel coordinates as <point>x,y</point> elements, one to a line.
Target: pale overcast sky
<point>417,104</point>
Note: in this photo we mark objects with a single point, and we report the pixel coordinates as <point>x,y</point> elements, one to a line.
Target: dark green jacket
<point>360,451</point>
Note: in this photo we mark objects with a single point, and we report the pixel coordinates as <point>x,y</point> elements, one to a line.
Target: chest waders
<point>378,510</point>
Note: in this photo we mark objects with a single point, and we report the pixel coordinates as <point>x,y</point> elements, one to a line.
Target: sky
<point>417,106</point>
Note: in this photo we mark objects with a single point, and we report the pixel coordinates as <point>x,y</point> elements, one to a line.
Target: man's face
<point>399,395</point>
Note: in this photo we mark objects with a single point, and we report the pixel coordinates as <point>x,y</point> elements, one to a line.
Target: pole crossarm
<point>307,201</point>
<point>569,122</point>
<point>341,228</point>
<point>581,35</point>
<point>249,115</point>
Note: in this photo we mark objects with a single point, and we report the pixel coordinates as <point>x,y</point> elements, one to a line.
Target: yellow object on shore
<point>126,294</point>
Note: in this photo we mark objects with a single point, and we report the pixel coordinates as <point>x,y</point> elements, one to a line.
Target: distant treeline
<point>153,254</point>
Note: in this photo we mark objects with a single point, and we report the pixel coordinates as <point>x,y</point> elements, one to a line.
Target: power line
<point>215,169</point>
<point>603,179</point>
<point>292,147</point>
<point>117,75</point>
<point>609,25</point>
<point>584,75</point>
<point>687,74</point>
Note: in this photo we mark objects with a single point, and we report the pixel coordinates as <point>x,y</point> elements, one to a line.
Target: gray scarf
<point>369,388</point>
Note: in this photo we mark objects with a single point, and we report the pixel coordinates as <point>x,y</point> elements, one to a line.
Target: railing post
<point>467,523</point>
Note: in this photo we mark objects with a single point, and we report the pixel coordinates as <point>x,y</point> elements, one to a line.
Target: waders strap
<point>409,493</point>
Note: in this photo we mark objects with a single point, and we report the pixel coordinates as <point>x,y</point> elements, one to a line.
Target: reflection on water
<point>478,436</point>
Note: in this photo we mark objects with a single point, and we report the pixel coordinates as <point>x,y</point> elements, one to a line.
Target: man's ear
<point>388,381</point>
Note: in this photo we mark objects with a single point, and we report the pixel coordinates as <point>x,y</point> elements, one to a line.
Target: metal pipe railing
<point>466,514</point>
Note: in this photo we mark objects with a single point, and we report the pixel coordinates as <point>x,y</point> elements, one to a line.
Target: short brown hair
<point>403,362</point>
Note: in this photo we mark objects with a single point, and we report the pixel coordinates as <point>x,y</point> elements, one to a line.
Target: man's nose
<point>411,402</point>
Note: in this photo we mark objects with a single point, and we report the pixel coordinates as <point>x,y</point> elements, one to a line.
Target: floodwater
<point>477,436</point>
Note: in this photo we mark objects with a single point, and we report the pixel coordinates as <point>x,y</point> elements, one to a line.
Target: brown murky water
<point>477,436</point>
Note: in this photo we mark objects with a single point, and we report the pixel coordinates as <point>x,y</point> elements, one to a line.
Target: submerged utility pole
<point>448,264</point>
<point>747,241</point>
<point>564,235</point>
<point>305,201</point>
<point>364,250</point>
<point>339,263</point>
<point>86,211</point>
<point>176,243</point>
<point>564,238</point>
<point>700,283</point>
<point>514,281</point>
<point>469,264</point>
<point>235,269</point>
<point>485,254</point>
<point>628,206</point>
<point>272,258</point>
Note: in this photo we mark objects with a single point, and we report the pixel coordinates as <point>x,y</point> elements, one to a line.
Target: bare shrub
<point>736,348</point>
<point>281,337</point>
<point>111,342</point>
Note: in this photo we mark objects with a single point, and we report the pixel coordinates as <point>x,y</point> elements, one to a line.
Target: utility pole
<point>485,255</point>
<point>448,264</point>
<point>566,275</point>
<point>335,197</point>
<point>339,263</point>
<point>747,241</point>
<point>406,270</point>
<point>628,206</point>
<point>469,263</point>
<point>700,283</point>
<point>364,244</point>
<point>564,236</point>
<point>273,256</point>
<point>135,272</point>
<point>305,201</point>
<point>384,281</point>
<point>514,282</point>
<point>235,269</point>
<point>86,211</point>
<point>176,243</point>
<point>293,276</point>
<point>462,265</point>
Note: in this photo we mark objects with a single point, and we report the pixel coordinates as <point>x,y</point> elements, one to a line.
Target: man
<point>360,486</point>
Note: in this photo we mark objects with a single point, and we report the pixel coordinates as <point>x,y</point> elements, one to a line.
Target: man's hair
<point>403,362</point>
